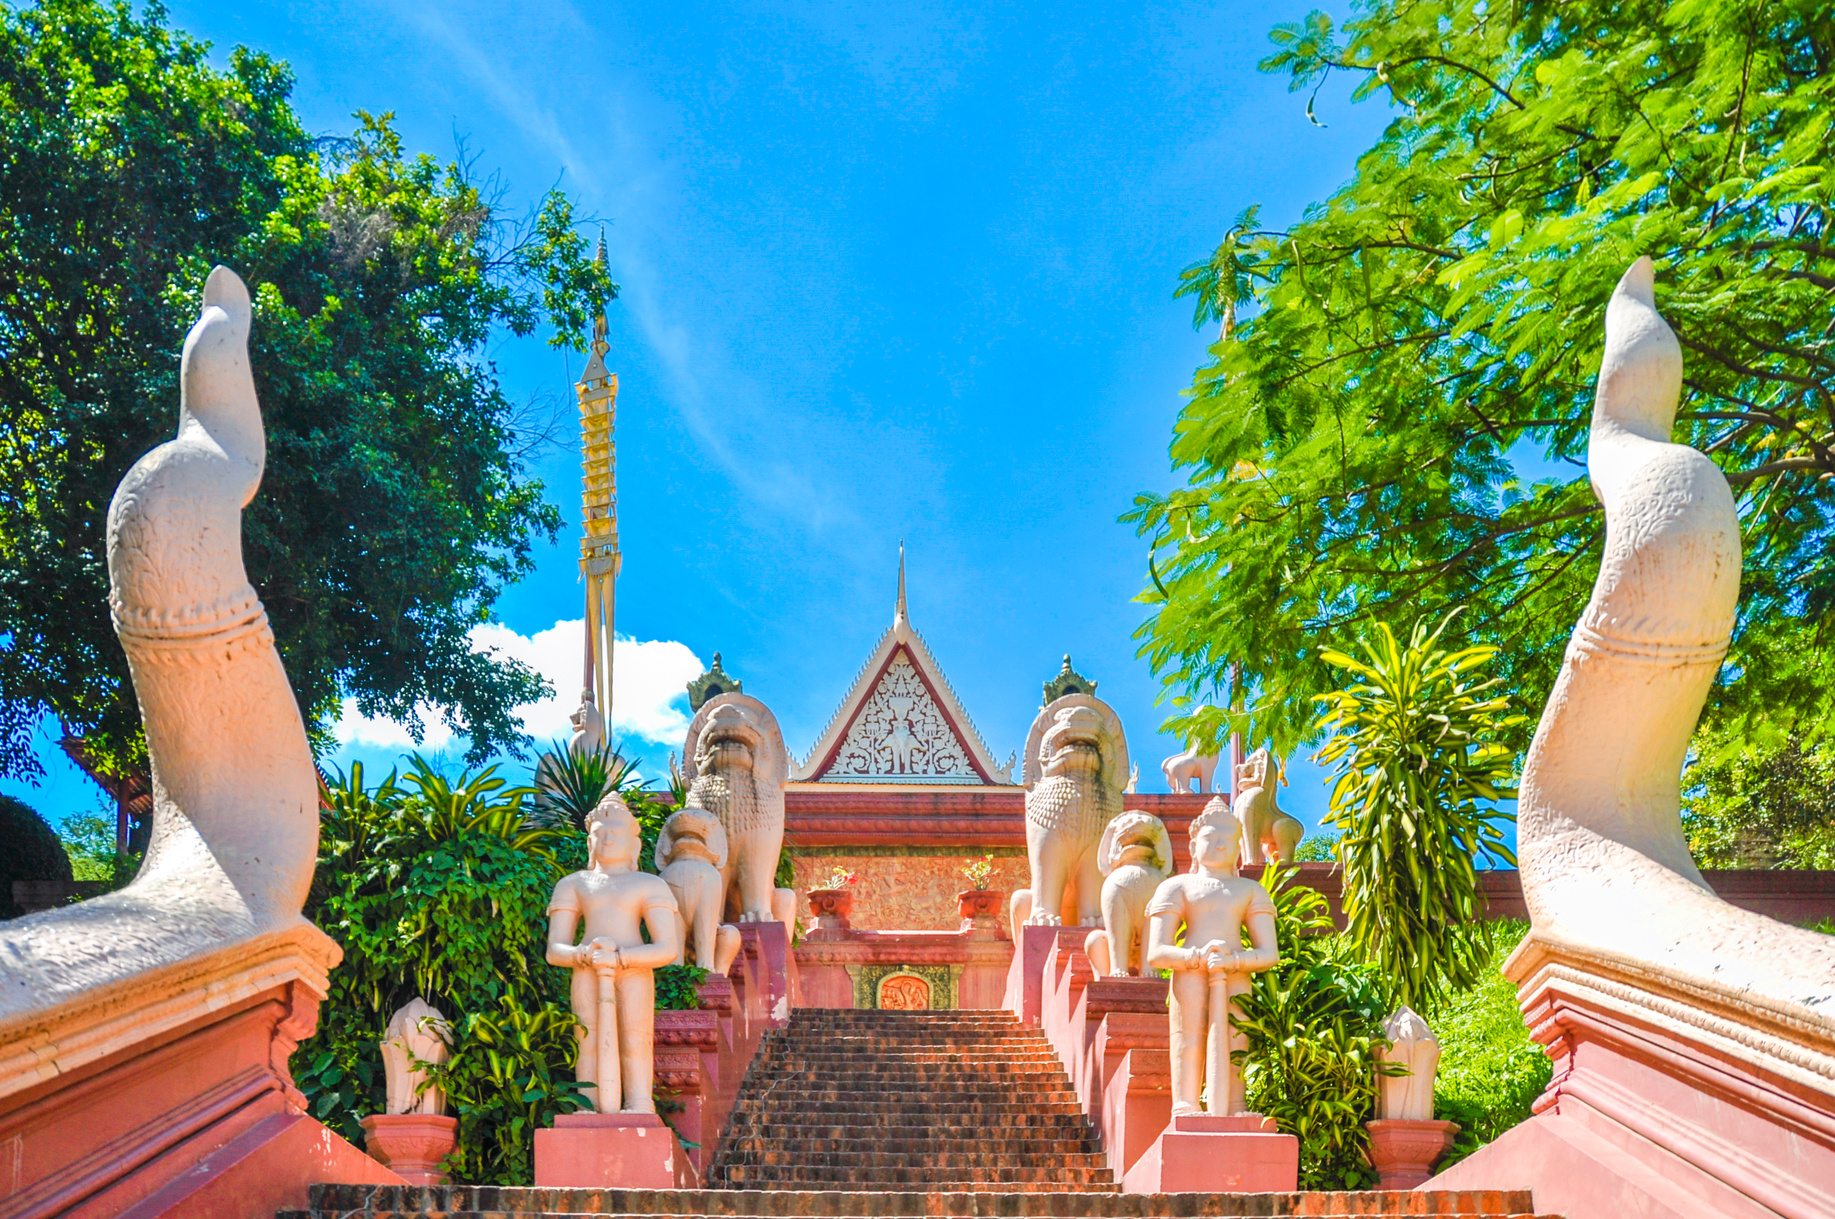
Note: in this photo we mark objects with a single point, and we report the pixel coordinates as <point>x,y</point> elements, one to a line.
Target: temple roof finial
<point>898,611</point>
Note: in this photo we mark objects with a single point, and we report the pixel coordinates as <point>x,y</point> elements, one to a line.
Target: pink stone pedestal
<point>1206,1154</point>
<point>606,1151</point>
<point>1403,1152</point>
<point>411,1145</point>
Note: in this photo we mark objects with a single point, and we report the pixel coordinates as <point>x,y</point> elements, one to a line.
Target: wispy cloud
<point>649,691</point>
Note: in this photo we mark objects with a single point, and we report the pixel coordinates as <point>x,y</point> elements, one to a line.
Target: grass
<point>1490,1070</point>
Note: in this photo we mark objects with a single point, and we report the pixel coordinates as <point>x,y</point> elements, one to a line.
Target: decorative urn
<point>831,908</point>
<point>980,909</point>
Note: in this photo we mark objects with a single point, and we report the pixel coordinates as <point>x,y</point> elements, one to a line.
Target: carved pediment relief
<point>900,734</point>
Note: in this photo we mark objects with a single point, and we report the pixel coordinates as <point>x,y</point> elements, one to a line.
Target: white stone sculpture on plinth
<point>413,1134</point>
<point>1076,764</point>
<point>1625,934</point>
<point>1215,906</point>
<point>1135,855</point>
<point>1268,834</point>
<point>208,938</point>
<point>690,852</point>
<point>735,765</point>
<point>416,1038</point>
<point>1405,1140</point>
<point>1222,1147</point>
<point>613,992</point>
<point>1191,771</point>
<point>610,905</point>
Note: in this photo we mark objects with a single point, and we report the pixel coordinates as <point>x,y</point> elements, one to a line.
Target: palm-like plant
<point>480,802</point>
<point>569,784</point>
<point>1415,752</point>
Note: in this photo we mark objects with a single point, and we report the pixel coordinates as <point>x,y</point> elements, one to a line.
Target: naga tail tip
<point>225,290</point>
<point>1638,282</point>
<point>216,387</point>
<point>1640,374</point>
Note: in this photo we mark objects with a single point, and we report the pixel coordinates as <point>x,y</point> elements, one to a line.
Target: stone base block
<point>607,1151</point>
<point>1206,1154</point>
<point>411,1145</point>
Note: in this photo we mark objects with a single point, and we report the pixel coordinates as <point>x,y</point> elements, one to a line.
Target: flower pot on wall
<point>980,909</point>
<point>831,908</point>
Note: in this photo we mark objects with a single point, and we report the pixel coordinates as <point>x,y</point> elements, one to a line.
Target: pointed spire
<point>898,611</point>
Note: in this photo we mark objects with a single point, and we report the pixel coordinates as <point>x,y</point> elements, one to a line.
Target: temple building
<point>901,790</point>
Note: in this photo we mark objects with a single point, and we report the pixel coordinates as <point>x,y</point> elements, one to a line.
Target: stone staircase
<point>952,1102</point>
<point>850,1114</point>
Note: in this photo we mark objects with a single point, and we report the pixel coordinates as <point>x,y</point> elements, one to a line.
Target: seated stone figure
<point>690,851</point>
<point>1135,855</point>
<point>614,995</point>
<point>1212,967</point>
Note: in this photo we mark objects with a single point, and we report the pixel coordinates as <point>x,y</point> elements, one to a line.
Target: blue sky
<point>890,271</point>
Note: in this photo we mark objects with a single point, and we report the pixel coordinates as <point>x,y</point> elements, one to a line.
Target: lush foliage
<point>32,852</point>
<point>1312,1026</point>
<point>1490,1070</point>
<point>1397,364</point>
<point>1415,751</point>
<point>89,841</point>
<point>395,503</point>
<point>1760,804</point>
<point>438,887</point>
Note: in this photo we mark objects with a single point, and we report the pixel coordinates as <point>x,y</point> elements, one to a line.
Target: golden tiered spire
<point>599,557</point>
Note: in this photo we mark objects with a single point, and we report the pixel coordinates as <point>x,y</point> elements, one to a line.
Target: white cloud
<point>649,690</point>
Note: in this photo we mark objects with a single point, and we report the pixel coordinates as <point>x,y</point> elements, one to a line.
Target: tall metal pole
<point>599,555</point>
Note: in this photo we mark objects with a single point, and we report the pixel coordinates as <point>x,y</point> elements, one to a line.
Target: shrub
<point>1490,1070</point>
<point>1312,1025</point>
<point>33,851</point>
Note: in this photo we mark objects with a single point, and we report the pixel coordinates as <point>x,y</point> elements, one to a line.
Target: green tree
<point>1415,752</point>
<point>1760,804</point>
<point>395,503</point>
<point>1408,346</point>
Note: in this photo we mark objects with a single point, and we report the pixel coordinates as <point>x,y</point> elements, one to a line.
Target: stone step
<point>1062,1213</point>
<point>894,1074</point>
<point>855,1106</point>
<point>920,1140</point>
<point>813,1176</point>
<point>374,1202</point>
<point>815,1126</point>
<point>990,1100</point>
<point>895,1154</point>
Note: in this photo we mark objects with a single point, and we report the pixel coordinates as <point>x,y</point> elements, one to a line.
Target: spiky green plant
<point>1415,750</point>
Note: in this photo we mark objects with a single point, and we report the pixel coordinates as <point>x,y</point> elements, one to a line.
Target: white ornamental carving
<point>900,731</point>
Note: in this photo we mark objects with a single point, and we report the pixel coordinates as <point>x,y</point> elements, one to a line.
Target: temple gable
<point>901,722</point>
<point>900,734</point>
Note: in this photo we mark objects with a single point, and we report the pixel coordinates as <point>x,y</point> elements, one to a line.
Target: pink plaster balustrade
<point>1110,1033</point>
<point>702,1055</point>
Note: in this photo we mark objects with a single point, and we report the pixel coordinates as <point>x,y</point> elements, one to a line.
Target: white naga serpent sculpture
<point>1613,895</point>
<point>235,817</point>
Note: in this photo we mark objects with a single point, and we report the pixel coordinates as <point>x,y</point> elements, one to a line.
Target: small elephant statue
<point>690,852</point>
<point>1135,855</point>
<point>1190,771</point>
<point>1268,834</point>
